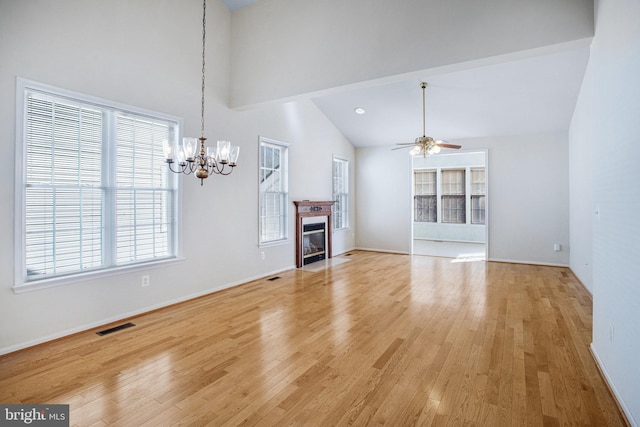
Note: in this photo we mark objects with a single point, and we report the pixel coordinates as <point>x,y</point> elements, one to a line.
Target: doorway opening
<point>450,205</point>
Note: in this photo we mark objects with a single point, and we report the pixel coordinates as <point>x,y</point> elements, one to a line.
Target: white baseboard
<point>388,251</point>
<point>346,251</point>
<point>423,239</point>
<point>514,261</point>
<point>613,388</point>
<point>122,316</point>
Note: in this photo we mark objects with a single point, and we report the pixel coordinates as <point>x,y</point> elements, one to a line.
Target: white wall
<point>147,53</point>
<point>605,177</point>
<point>296,44</point>
<point>528,193</point>
<point>383,200</point>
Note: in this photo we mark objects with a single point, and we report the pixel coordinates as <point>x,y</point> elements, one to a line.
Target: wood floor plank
<point>381,339</point>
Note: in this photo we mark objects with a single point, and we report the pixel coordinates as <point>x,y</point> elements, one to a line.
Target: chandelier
<point>207,160</point>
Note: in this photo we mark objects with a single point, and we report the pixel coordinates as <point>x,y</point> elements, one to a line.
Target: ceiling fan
<point>424,144</point>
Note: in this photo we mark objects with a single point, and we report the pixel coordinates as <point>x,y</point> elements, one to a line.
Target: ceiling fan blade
<point>405,143</point>
<point>445,145</point>
<point>400,148</point>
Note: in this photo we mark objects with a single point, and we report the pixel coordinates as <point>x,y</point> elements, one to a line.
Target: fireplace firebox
<point>313,243</point>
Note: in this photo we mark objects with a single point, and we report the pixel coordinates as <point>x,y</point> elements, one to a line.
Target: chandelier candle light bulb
<point>223,151</point>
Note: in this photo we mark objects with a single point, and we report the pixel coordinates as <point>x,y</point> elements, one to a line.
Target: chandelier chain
<point>220,160</point>
<point>204,36</point>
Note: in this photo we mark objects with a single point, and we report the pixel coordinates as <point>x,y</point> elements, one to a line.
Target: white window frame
<point>431,198</point>
<point>283,213</point>
<point>451,197</point>
<point>340,216</point>
<point>477,192</point>
<point>109,266</point>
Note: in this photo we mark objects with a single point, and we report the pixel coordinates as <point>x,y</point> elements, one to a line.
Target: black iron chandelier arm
<point>184,168</point>
<point>221,170</point>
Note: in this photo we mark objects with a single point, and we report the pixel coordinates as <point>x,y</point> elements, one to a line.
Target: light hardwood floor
<point>380,339</point>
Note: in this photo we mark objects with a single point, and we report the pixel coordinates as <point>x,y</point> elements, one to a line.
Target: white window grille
<point>92,188</point>
<point>478,196</point>
<point>453,196</point>
<point>425,196</point>
<point>273,187</point>
<point>340,193</point>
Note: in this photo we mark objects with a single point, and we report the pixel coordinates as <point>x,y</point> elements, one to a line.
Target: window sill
<point>93,275</point>
<point>274,243</point>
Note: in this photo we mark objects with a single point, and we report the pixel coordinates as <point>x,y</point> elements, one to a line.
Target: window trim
<point>285,171</point>
<point>468,194</point>
<point>445,195</point>
<point>473,195</point>
<point>347,193</point>
<point>431,197</point>
<point>20,283</point>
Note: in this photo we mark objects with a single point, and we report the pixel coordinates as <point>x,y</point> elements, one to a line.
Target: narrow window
<point>453,196</point>
<point>273,187</point>
<point>425,196</point>
<point>340,193</point>
<point>478,196</point>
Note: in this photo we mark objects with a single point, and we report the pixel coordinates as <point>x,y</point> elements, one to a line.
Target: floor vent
<point>347,254</point>
<point>273,278</point>
<point>115,329</point>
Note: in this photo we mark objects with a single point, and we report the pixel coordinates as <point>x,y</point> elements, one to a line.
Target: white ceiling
<point>532,95</point>
<point>536,94</point>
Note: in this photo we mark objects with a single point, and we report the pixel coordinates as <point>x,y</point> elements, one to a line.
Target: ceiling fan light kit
<point>425,145</point>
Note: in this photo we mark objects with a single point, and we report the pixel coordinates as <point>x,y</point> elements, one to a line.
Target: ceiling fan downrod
<point>424,111</point>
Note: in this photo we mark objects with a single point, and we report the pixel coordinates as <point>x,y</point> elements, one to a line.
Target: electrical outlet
<point>262,255</point>
<point>557,247</point>
<point>145,280</point>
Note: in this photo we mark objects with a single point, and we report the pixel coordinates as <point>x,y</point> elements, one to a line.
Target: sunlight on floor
<point>461,252</point>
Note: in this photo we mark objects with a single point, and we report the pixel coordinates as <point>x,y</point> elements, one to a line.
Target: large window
<point>92,188</point>
<point>340,193</point>
<point>453,196</point>
<point>425,196</point>
<point>477,196</point>
<point>273,177</point>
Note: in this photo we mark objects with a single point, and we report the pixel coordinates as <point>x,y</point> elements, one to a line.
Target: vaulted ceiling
<point>532,95</point>
<point>527,93</point>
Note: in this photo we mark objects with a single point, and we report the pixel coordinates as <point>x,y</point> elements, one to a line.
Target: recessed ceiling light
<point>359,110</point>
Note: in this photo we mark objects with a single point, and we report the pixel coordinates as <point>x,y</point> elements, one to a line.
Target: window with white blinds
<point>340,193</point>
<point>478,196</point>
<point>95,193</point>
<point>273,188</point>
<point>425,196</point>
<point>453,196</point>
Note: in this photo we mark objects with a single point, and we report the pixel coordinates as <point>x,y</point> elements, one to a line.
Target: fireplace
<point>312,243</point>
